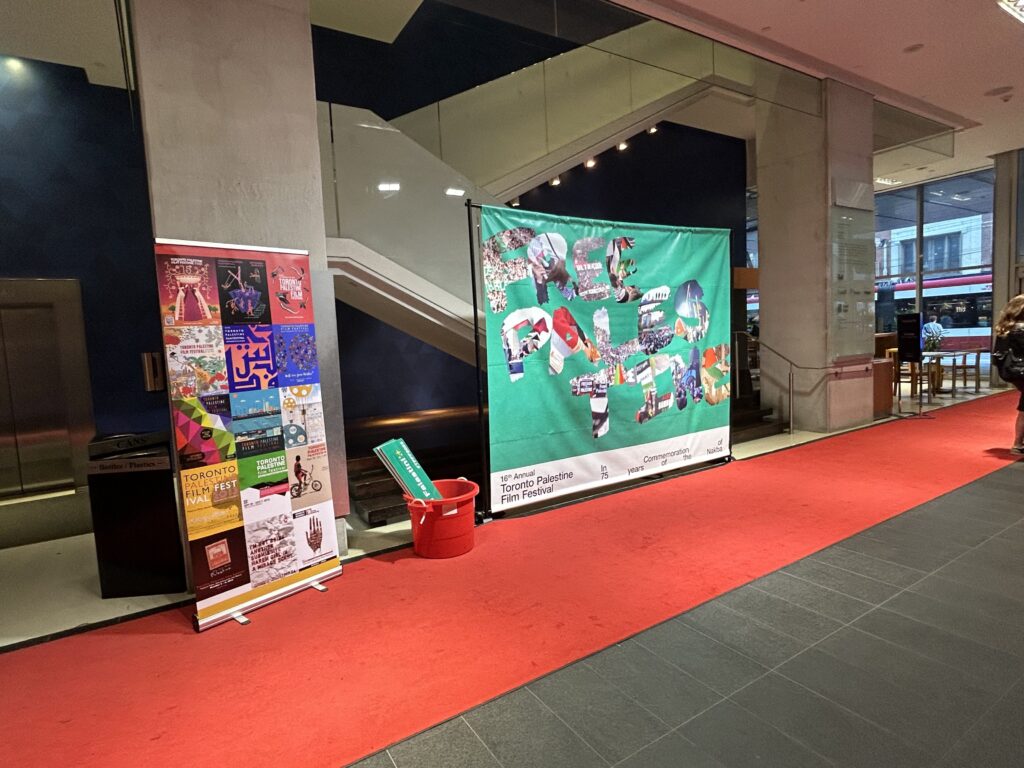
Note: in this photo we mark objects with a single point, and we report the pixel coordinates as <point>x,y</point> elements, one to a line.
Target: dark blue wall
<point>385,371</point>
<point>74,204</point>
<point>440,52</point>
<point>678,176</point>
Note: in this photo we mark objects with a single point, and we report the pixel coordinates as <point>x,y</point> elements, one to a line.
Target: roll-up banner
<point>244,387</point>
<point>607,351</point>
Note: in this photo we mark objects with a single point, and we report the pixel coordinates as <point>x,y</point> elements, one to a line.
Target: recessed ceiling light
<point>653,129</point>
<point>555,181</point>
<point>1013,7</point>
<point>590,163</point>
<point>623,145</point>
<point>515,202</point>
<point>887,181</point>
<point>454,192</point>
<point>389,186</point>
<point>961,198</point>
<point>14,65</point>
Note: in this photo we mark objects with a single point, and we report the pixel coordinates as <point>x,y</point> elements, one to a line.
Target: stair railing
<point>793,367</point>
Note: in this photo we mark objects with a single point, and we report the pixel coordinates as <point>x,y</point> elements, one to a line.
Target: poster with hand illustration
<point>243,380</point>
<point>607,351</point>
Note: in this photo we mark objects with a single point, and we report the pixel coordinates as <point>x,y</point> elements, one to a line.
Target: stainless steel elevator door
<point>33,404</point>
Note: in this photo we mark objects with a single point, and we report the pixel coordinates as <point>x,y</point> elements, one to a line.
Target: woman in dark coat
<point>1008,355</point>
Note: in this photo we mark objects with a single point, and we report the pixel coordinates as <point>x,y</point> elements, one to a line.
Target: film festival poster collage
<point>250,437</point>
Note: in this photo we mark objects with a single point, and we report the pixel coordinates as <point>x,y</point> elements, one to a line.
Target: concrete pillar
<point>230,127</point>
<point>816,258</point>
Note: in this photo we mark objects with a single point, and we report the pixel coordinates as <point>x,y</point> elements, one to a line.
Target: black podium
<point>135,520</point>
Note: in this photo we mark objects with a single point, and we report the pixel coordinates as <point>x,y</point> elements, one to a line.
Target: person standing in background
<point>1008,357</point>
<point>932,327</point>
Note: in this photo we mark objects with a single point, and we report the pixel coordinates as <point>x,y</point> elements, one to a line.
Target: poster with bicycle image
<point>243,382</point>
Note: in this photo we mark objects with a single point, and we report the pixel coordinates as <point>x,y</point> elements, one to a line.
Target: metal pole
<point>791,398</point>
<point>485,485</point>
<point>919,247</point>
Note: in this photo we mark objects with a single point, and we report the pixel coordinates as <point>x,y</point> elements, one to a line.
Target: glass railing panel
<point>765,80</point>
<point>650,84</point>
<point>663,47</point>
<point>423,126</point>
<point>487,131</point>
<point>585,89</point>
<point>399,200</point>
<point>895,127</point>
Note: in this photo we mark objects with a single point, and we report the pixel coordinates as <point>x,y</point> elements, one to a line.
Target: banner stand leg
<point>318,586</point>
<point>240,618</point>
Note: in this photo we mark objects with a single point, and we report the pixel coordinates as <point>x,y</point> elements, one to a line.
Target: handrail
<point>760,343</point>
<point>792,365</point>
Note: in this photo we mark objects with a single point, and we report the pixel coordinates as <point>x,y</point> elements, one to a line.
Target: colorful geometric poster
<point>290,288</point>
<point>238,324</point>
<point>302,414</point>
<point>211,499</point>
<point>309,476</point>
<point>295,348</point>
<point>256,422</point>
<point>607,351</point>
<point>202,431</point>
<point>242,285</point>
<point>249,350</point>
<point>195,361</point>
<point>188,290</point>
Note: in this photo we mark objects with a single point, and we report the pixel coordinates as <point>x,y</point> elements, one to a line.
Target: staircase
<point>453,450</point>
<point>749,421</point>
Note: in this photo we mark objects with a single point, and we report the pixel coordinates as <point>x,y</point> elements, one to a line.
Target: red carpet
<point>399,644</point>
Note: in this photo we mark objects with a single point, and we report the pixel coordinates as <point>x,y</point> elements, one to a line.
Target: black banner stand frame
<point>484,512</point>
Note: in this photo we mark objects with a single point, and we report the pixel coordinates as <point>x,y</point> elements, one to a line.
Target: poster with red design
<point>289,288</point>
<point>243,377</point>
<point>188,290</point>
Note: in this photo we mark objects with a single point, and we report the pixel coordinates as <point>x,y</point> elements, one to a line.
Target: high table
<point>958,363</point>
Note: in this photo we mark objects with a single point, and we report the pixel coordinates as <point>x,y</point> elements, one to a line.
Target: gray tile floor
<point>900,646</point>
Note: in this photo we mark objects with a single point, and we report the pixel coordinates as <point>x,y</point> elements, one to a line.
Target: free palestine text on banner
<point>607,351</point>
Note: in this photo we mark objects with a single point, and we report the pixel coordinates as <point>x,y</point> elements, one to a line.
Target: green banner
<point>607,351</point>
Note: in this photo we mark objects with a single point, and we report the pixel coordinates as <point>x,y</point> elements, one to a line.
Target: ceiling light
<point>653,129</point>
<point>590,163</point>
<point>389,186</point>
<point>1013,7</point>
<point>961,198</point>
<point>515,202</point>
<point>384,127</point>
<point>886,181</point>
<point>555,181</point>
<point>454,192</point>
<point>14,65</point>
<point>622,145</point>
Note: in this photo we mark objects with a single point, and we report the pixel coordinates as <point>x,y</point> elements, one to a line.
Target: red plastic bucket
<point>444,527</point>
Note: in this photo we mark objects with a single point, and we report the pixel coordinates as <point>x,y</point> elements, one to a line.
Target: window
<point>941,253</point>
